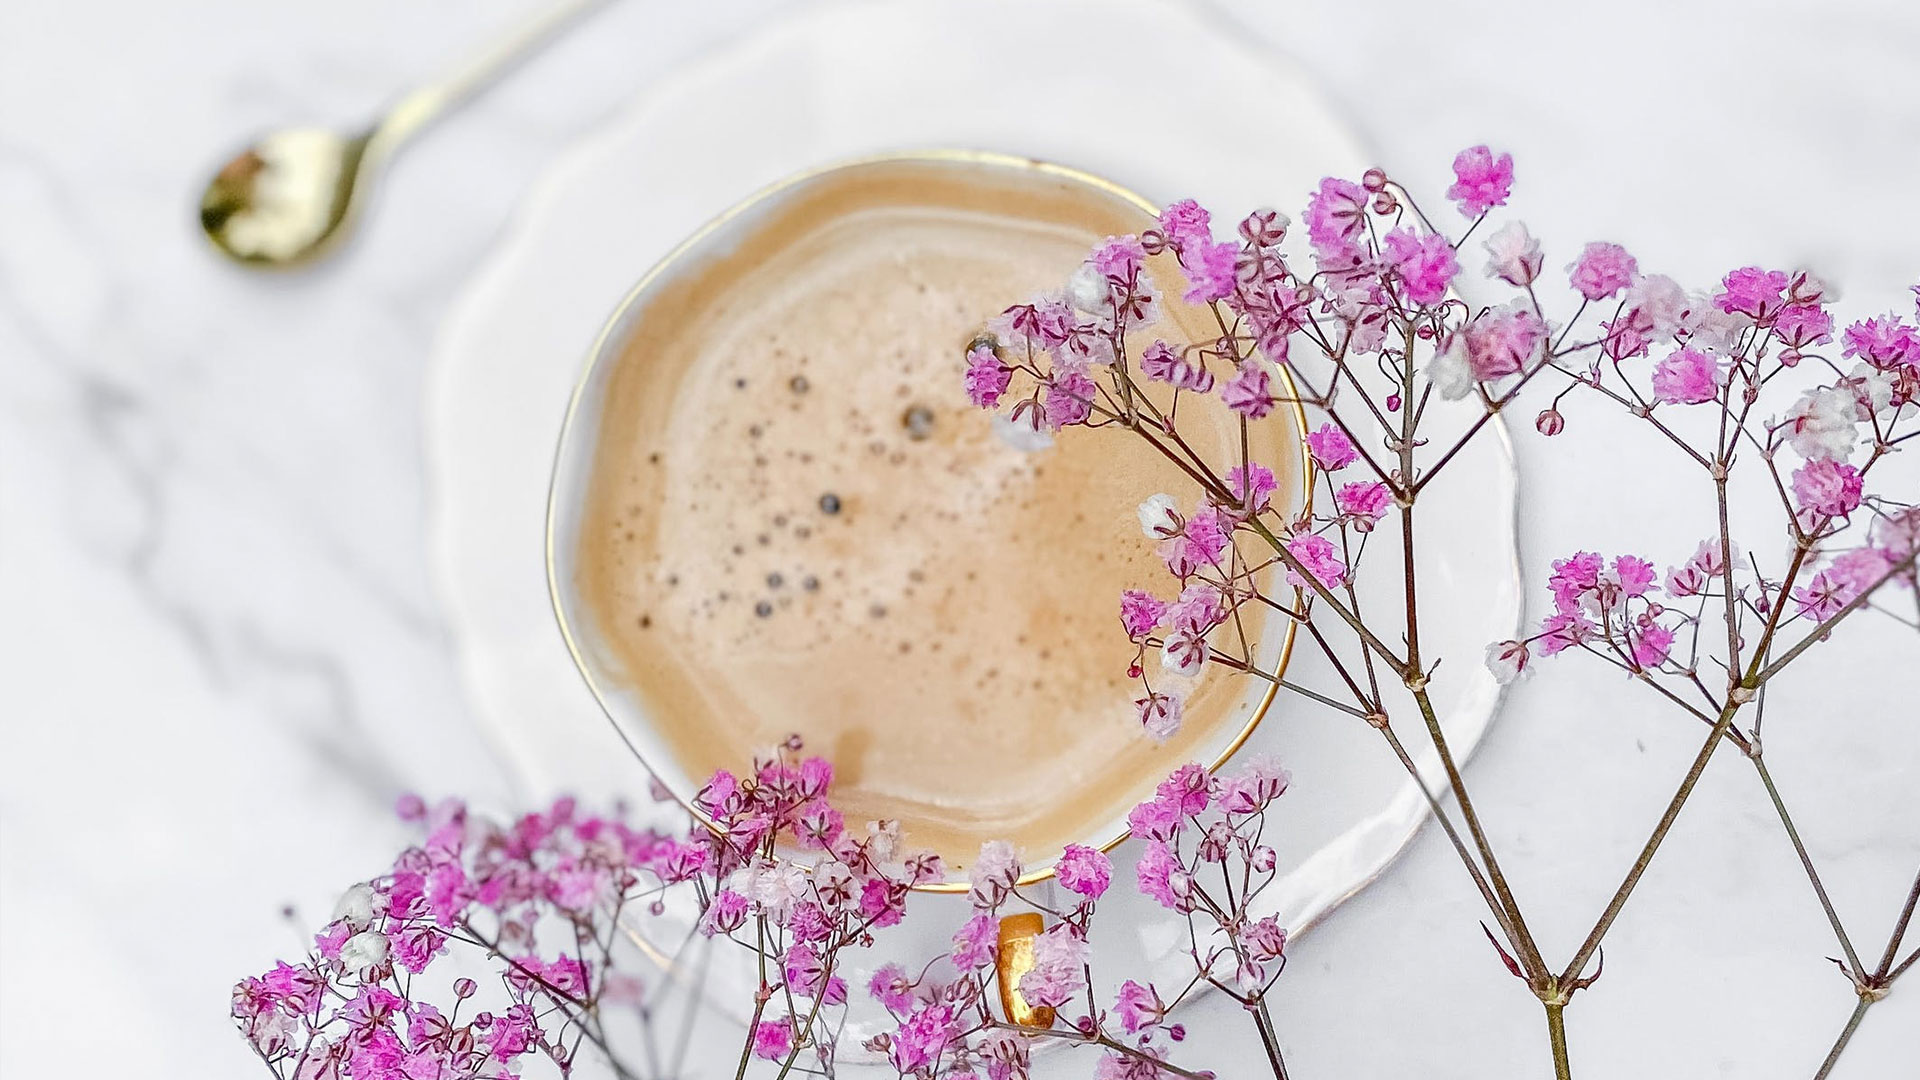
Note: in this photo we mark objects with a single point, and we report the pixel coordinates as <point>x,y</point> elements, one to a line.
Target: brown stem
<point>1263,1020</point>
<point>1846,1036</point>
<point>1557,1039</point>
<point>1806,862</point>
<point>1899,931</point>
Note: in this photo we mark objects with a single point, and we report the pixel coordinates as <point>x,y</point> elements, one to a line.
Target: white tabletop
<point>223,655</point>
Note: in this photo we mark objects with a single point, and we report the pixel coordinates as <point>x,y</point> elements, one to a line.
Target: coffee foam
<point>796,522</point>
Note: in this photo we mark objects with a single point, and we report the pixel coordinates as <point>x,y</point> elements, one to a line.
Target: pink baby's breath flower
<point>1162,878</point>
<point>1265,939</point>
<point>1070,397</point>
<point>1688,377</point>
<point>1509,661</point>
<point>1119,257</point>
<point>987,378</point>
<point>1367,500</point>
<point>773,1039</point>
<point>1160,363</point>
<point>1425,264</point>
<point>1210,270</point>
<point>1336,217</point>
<point>1563,631</point>
<point>1059,967</point>
<point>1699,571</point>
<point>1250,393</point>
<point>1822,598</point>
<point>1158,818</point>
<point>993,874</point>
<point>1317,556</point>
<point>1573,577</point>
<point>975,942</point>
<point>1207,534</point>
<point>921,1040</point>
<point>1138,1007</point>
<point>1885,342</point>
<point>1513,255</point>
<point>1331,449</point>
<point>1481,180</point>
<point>1502,341</point>
<point>1083,870</point>
<point>1186,789</point>
<point>1199,609</point>
<point>1603,270</point>
<point>1252,487</point>
<point>1651,645</point>
<point>1860,570</point>
<point>1827,488</point>
<point>1141,612</point>
<point>1752,292</point>
<point>1186,222</point>
<point>891,987</point>
<point>1803,326</point>
<point>1633,575</point>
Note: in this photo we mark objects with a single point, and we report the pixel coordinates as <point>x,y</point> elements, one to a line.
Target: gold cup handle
<point>1016,959</point>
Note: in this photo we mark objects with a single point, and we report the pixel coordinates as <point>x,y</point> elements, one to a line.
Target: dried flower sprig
<point>539,908</point>
<point>1365,328</point>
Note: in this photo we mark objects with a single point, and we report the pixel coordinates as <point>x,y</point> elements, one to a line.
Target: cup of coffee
<point>774,512</point>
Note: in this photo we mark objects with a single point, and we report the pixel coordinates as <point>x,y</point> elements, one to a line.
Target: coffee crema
<point>796,523</point>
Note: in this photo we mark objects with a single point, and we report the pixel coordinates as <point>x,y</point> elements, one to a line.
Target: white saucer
<point>1044,80</point>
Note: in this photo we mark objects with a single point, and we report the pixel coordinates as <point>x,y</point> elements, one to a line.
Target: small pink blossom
<point>1752,292</point>
<point>892,989</point>
<point>1827,488</point>
<point>1425,264</point>
<point>1141,612</point>
<point>1160,363</point>
<point>1199,609</point>
<point>1633,575</point>
<point>1563,631</point>
<point>987,378</point>
<point>1158,818</point>
<point>1688,377</point>
<point>773,1039</point>
<point>1573,577</point>
<point>1059,969</point>
<point>1084,870</point>
<point>1070,396</point>
<point>1119,257</point>
<point>1317,556</point>
<point>1822,424</point>
<point>1513,255</point>
<point>1162,878</point>
<point>1336,216</point>
<point>1367,500</point>
<point>1823,597</point>
<point>1186,789</point>
<point>1250,393</point>
<point>1139,1007</point>
<point>922,1039</point>
<point>1331,449</point>
<point>1603,270</point>
<point>993,874</point>
<point>1186,221</point>
<point>1252,487</point>
<point>1210,270</point>
<point>1481,180</point>
<point>1885,342</point>
<point>1265,939</point>
<point>1651,644</point>
<point>1803,326</point>
<point>975,943</point>
<point>1693,578</point>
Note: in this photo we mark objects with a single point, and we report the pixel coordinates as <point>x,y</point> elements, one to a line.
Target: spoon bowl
<point>288,197</point>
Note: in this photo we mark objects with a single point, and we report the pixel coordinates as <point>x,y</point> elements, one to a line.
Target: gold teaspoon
<point>290,197</point>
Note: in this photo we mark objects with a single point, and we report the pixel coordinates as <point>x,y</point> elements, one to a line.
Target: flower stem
<point>1806,861</point>
<point>1263,1020</point>
<point>1557,1037</point>
<point>1846,1036</point>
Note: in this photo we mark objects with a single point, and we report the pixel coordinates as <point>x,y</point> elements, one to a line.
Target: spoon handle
<point>428,103</point>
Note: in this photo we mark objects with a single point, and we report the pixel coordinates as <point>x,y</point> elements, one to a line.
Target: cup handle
<point>1016,959</point>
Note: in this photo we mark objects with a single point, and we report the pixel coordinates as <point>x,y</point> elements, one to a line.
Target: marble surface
<point>223,654</point>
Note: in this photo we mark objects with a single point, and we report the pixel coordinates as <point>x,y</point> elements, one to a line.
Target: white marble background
<point>222,656</point>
